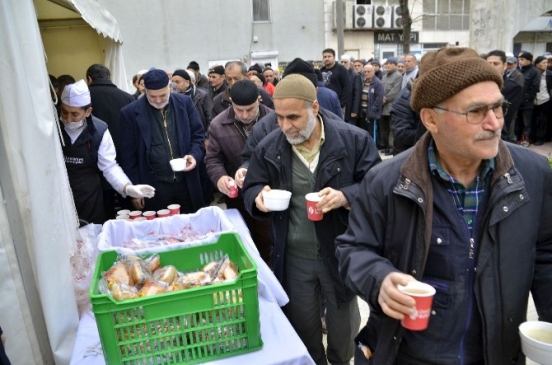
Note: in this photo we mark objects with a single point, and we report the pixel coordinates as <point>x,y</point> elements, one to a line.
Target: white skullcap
<point>76,95</point>
<point>346,58</point>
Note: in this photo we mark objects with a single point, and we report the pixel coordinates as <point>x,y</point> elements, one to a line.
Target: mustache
<point>488,135</point>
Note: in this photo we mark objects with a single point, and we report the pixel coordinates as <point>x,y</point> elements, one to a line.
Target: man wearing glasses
<point>462,211</point>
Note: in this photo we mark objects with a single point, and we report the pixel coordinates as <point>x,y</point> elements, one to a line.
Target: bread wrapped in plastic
<point>153,263</point>
<point>138,271</point>
<point>166,274</point>
<point>152,287</point>
<point>118,273</point>
<point>123,291</point>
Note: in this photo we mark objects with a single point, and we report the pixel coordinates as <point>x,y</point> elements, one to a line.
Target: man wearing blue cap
<point>158,128</point>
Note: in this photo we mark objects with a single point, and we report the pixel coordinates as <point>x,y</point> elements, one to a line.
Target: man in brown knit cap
<point>461,211</point>
<point>311,152</point>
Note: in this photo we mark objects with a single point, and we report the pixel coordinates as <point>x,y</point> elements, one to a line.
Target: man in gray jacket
<point>392,82</point>
<point>462,211</point>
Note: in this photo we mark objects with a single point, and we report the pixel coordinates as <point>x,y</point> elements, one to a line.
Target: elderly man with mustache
<point>462,211</point>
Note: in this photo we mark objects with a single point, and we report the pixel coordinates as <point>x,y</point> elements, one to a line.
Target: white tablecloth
<point>281,345</point>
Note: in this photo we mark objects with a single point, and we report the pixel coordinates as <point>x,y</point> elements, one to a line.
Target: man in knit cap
<point>462,211</point>
<point>229,132</point>
<point>321,154</point>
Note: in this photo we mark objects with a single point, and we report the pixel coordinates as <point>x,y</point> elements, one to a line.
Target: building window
<point>446,15</point>
<point>261,11</point>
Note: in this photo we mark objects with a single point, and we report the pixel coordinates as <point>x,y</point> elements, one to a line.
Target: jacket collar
<point>101,82</point>
<point>416,165</point>
<point>333,146</point>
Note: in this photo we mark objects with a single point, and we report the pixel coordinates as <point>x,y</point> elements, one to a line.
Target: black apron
<point>84,179</point>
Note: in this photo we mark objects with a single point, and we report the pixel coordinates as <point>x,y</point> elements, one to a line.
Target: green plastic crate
<point>183,327</point>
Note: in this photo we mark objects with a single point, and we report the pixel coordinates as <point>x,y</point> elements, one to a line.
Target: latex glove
<point>140,191</point>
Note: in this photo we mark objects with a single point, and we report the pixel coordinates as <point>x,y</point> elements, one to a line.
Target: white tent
<point>38,312</point>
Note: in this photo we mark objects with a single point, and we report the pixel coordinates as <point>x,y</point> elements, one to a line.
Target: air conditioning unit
<point>347,14</point>
<point>397,17</point>
<point>383,16</point>
<point>363,17</point>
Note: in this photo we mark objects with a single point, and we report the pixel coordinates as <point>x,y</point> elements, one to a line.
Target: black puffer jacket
<point>390,229</point>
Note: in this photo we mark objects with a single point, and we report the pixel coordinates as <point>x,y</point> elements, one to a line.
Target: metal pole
<point>340,25</point>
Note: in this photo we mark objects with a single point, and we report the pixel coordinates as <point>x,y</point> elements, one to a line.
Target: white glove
<point>140,191</point>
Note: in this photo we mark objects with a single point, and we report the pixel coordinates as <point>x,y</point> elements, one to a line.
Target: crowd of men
<point>463,209</point>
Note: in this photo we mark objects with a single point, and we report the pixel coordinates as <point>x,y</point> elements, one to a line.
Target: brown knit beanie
<point>448,71</point>
<point>295,86</point>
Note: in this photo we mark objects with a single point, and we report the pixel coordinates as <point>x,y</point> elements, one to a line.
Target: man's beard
<point>305,133</point>
<point>249,120</point>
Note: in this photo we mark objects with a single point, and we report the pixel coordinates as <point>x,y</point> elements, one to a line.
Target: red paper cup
<point>135,214</point>
<point>163,213</point>
<point>312,213</point>
<point>423,295</point>
<point>174,209</point>
<point>150,214</point>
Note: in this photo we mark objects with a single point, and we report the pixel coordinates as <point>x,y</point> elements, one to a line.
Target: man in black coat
<point>107,102</point>
<point>336,77</point>
<point>512,92</point>
<point>525,113</point>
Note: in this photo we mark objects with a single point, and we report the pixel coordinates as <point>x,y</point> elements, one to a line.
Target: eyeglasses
<point>478,114</point>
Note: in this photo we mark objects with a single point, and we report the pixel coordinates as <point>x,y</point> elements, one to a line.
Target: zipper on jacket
<point>508,178</point>
<point>166,129</point>
<point>471,285</point>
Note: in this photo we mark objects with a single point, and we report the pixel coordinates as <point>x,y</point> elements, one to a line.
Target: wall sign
<point>394,36</point>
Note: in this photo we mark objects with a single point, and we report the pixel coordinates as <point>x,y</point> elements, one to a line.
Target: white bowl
<point>178,164</point>
<point>536,341</point>
<point>276,199</point>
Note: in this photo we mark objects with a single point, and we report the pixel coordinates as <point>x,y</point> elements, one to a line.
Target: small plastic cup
<point>423,295</point>
<point>122,216</point>
<point>233,189</point>
<point>178,164</point>
<point>140,219</point>
<point>174,209</point>
<point>312,213</point>
<point>123,212</point>
<point>135,214</point>
<point>163,213</point>
<point>150,214</point>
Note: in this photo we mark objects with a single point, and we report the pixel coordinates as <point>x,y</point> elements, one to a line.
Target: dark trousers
<point>384,127</point>
<point>305,280</point>
<point>523,123</point>
<point>540,122</point>
<point>170,193</point>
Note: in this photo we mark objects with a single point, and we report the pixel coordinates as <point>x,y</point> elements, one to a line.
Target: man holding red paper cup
<point>446,240</point>
<point>311,151</point>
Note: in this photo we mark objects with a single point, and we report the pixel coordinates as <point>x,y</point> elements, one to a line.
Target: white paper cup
<point>140,219</point>
<point>178,164</point>
<point>122,216</point>
<point>123,212</point>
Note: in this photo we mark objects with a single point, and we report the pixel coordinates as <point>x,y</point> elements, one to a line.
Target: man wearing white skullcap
<point>88,149</point>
